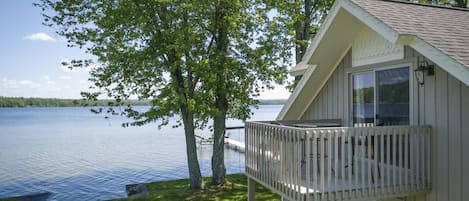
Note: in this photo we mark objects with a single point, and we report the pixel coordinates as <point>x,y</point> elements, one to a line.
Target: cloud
<point>39,36</point>
<point>65,77</point>
<point>15,84</point>
<point>29,84</point>
<point>50,82</point>
<point>43,86</point>
<point>47,80</point>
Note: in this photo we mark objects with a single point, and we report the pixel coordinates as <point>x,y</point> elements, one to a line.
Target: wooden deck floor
<point>364,177</point>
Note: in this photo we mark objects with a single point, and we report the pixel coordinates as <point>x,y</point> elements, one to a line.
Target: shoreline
<point>235,188</point>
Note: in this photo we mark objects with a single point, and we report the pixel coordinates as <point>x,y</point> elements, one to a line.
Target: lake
<point>78,155</point>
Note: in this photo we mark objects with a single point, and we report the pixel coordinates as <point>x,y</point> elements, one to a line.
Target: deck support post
<point>251,189</point>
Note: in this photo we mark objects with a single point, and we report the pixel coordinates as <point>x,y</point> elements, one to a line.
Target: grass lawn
<point>234,189</point>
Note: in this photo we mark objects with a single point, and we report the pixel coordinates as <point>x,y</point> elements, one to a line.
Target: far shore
<point>20,102</point>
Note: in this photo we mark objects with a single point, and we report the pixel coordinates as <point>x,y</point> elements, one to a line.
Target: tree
<point>304,18</point>
<point>146,49</point>
<point>300,20</point>
<point>248,55</point>
<point>195,59</point>
<point>455,3</point>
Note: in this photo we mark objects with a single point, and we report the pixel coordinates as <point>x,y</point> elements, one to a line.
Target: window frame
<point>374,68</point>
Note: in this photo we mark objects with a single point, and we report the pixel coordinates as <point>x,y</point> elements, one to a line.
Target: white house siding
<point>331,102</point>
<point>370,47</point>
<point>445,106</point>
<point>443,102</point>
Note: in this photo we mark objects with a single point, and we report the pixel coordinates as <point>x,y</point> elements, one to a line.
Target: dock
<point>235,145</point>
<point>229,142</point>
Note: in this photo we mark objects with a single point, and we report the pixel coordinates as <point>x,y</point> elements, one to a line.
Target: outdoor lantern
<point>419,73</point>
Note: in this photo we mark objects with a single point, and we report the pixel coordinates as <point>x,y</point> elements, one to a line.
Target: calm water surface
<point>77,155</point>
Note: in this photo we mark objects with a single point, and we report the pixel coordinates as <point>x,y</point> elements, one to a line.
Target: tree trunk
<point>221,101</point>
<point>302,29</point>
<point>299,37</point>
<point>218,157</point>
<point>461,3</point>
<point>196,181</point>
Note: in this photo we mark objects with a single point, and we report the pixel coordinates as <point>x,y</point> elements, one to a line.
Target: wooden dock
<point>235,145</point>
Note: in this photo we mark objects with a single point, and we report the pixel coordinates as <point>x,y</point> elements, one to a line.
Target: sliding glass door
<point>392,97</point>
<point>363,99</point>
<point>381,97</point>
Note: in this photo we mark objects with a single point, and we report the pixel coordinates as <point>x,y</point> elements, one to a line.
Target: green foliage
<point>165,51</point>
<point>364,95</point>
<point>145,49</point>
<point>453,3</point>
<point>56,102</point>
<point>300,20</point>
<point>9,199</point>
<point>234,189</point>
<point>246,56</point>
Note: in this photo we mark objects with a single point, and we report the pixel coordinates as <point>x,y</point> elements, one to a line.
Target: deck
<point>339,163</point>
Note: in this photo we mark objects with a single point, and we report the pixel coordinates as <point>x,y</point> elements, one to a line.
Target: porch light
<point>419,73</point>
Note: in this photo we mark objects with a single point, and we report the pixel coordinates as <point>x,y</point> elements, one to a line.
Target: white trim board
<point>447,63</point>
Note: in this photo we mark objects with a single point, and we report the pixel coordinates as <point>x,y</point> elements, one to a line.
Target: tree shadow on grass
<point>234,189</point>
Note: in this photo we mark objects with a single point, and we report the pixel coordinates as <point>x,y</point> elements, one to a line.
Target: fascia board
<point>322,30</point>
<point>444,61</point>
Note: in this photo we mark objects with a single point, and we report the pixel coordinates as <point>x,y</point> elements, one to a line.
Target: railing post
<point>321,164</point>
<point>308,164</point>
<point>251,189</point>
<point>343,163</point>
<point>315,177</point>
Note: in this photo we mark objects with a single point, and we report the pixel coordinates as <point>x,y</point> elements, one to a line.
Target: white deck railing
<point>339,163</point>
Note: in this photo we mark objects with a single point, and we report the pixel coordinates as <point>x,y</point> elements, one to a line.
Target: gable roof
<point>439,33</point>
<point>444,28</point>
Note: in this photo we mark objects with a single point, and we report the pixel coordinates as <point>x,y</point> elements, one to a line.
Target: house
<point>381,111</point>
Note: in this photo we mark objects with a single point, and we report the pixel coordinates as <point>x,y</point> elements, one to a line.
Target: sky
<point>31,55</point>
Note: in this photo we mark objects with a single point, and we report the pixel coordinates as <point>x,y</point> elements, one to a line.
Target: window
<point>381,98</point>
<point>363,99</point>
<point>392,97</point>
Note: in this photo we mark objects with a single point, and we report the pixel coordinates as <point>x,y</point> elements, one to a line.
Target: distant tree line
<point>56,102</point>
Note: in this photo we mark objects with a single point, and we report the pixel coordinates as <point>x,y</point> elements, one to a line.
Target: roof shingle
<point>446,29</point>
